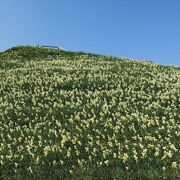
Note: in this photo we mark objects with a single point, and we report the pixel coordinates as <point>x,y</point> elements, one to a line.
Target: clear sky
<point>139,29</point>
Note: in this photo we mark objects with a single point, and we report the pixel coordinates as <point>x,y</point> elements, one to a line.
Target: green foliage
<point>35,53</point>
<point>73,115</point>
<point>29,53</point>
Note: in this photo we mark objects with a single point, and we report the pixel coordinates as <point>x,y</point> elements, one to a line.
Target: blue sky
<point>139,29</point>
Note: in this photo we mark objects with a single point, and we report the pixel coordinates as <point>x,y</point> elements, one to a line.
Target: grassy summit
<point>73,115</point>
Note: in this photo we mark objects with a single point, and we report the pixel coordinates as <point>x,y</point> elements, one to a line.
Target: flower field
<point>67,115</point>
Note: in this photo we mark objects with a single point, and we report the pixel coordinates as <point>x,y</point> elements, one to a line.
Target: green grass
<point>74,115</point>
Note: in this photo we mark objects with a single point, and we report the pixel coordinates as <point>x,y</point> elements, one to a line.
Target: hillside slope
<point>67,115</point>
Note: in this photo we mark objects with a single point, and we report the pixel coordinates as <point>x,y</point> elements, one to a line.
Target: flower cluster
<point>89,114</point>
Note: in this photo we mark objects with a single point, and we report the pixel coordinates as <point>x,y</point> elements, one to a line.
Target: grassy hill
<point>73,115</point>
